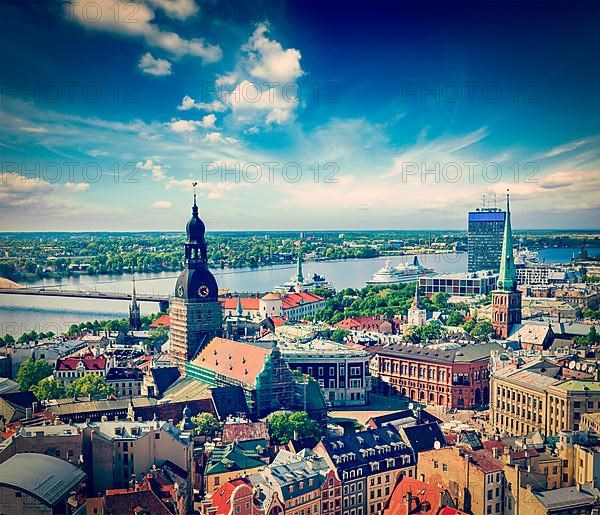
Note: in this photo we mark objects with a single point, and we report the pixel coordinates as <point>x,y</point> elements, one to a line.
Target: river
<point>19,314</point>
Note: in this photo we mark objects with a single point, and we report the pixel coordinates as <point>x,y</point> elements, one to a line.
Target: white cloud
<point>162,204</point>
<point>35,129</point>
<point>177,125</point>
<point>97,153</point>
<point>136,19</point>
<point>180,9</point>
<point>269,61</point>
<point>158,173</point>
<point>217,137</point>
<point>77,186</point>
<point>153,66</point>
<point>188,103</point>
<point>249,97</point>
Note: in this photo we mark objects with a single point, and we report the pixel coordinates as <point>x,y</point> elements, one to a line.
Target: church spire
<point>507,279</point>
<point>299,274</point>
<point>240,310</point>
<point>416,301</point>
<point>135,321</point>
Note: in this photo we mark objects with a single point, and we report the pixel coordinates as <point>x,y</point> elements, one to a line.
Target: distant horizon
<point>286,231</point>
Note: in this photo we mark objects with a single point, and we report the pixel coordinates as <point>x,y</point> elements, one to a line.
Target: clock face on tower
<point>203,290</point>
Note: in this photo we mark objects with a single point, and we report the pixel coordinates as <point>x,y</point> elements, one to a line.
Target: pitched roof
<point>242,431</point>
<point>355,447</point>
<point>221,499</point>
<point>20,399</point>
<point>164,320</point>
<point>425,498</point>
<point>119,502</point>
<point>44,477</point>
<point>236,360</point>
<point>89,363</point>
<point>230,458</point>
<point>465,354</point>
<point>164,377</point>
<point>293,300</point>
<point>423,437</point>
<point>248,303</point>
<point>229,400</point>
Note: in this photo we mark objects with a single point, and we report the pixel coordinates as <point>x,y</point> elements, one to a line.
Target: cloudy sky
<point>297,115</point>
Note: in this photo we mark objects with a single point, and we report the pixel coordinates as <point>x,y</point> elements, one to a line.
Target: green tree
<point>285,426</point>
<point>483,329</point>
<point>206,424</point>
<point>338,335</point>
<point>440,300</point>
<point>8,339</point>
<point>32,371</point>
<point>49,389</point>
<point>593,337</point>
<point>455,319</point>
<point>90,384</point>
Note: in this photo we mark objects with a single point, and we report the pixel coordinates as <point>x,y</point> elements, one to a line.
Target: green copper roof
<point>579,386</point>
<point>507,279</point>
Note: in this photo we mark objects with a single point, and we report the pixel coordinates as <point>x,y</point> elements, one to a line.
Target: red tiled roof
<point>367,323</point>
<point>278,321</point>
<point>293,300</point>
<point>237,360</point>
<point>221,499</point>
<point>123,501</point>
<point>248,303</point>
<point>164,320</point>
<point>425,497</point>
<point>89,363</point>
<point>515,454</point>
<point>484,460</point>
<point>245,431</point>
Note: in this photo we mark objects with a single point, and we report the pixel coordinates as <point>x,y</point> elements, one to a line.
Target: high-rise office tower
<point>486,227</point>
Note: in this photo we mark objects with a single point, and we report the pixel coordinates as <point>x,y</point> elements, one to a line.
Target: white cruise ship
<point>402,273</point>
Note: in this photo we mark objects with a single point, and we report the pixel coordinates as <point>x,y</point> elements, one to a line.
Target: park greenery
<point>288,426</point>
<point>395,300</point>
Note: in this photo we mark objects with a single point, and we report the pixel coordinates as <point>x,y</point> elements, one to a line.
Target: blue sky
<point>297,115</point>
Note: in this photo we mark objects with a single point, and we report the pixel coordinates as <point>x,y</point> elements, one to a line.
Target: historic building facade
<point>446,375</point>
<point>196,314</point>
<point>342,372</point>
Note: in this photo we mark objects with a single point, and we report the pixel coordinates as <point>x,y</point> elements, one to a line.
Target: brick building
<point>447,375</point>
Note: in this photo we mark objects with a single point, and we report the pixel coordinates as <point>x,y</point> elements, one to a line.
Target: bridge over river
<point>162,300</point>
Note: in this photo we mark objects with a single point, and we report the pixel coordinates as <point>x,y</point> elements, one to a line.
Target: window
<point>444,467</point>
<point>18,494</point>
<point>436,465</point>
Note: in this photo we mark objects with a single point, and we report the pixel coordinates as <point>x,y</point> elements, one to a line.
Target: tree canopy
<point>90,384</point>
<point>206,424</point>
<point>283,426</point>
<point>32,371</point>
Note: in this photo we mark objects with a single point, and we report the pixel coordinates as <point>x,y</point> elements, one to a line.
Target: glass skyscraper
<point>486,226</point>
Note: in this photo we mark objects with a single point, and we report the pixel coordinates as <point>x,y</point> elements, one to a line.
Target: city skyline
<point>147,101</point>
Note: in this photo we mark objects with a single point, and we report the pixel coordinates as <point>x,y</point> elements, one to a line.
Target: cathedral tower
<point>195,311</point>
<point>506,299</point>
<point>135,319</point>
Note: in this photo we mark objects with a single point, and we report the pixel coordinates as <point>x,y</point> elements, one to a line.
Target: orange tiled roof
<point>236,360</point>
<point>293,300</point>
<point>248,303</point>
<point>162,320</point>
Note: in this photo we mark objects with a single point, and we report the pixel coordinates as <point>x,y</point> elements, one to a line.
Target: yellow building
<point>227,462</point>
<point>530,396</point>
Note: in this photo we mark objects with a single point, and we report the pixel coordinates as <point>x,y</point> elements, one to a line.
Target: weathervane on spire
<point>194,184</point>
